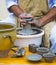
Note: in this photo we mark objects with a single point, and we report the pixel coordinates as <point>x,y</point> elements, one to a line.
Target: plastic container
<point>25,40</point>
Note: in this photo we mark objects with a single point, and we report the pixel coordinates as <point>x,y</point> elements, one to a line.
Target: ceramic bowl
<point>42,50</point>
<point>34,57</point>
<point>49,57</point>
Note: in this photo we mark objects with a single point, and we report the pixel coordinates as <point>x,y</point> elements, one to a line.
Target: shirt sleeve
<point>9,3</point>
<point>54,1</point>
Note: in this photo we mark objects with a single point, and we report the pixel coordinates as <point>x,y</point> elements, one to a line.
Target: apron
<point>34,7</point>
<point>37,8</point>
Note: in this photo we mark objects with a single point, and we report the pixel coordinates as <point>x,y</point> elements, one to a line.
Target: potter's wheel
<point>27,30</point>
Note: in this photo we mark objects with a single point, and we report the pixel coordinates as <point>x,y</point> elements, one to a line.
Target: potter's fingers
<point>30,22</point>
<point>24,15</point>
<point>29,16</point>
<point>22,25</point>
<point>21,20</point>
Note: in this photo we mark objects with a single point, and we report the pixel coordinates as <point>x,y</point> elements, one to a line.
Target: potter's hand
<point>36,23</point>
<point>22,18</point>
<point>40,22</point>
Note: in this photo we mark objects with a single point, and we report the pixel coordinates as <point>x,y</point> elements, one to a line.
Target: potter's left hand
<point>40,22</point>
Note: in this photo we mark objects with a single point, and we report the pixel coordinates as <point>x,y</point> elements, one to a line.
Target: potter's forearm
<point>16,10</point>
<point>51,14</point>
<point>48,17</point>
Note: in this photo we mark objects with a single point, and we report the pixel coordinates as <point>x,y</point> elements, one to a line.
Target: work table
<point>22,60</point>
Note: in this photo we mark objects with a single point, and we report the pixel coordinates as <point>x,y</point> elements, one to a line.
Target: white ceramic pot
<point>24,41</point>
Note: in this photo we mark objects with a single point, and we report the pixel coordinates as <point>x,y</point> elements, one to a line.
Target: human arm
<point>16,10</point>
<point>46,18</point>
<point>50,15</point>
<point>13,7</point>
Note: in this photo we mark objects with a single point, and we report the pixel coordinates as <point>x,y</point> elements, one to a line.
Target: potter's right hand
<point>22,20</point>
